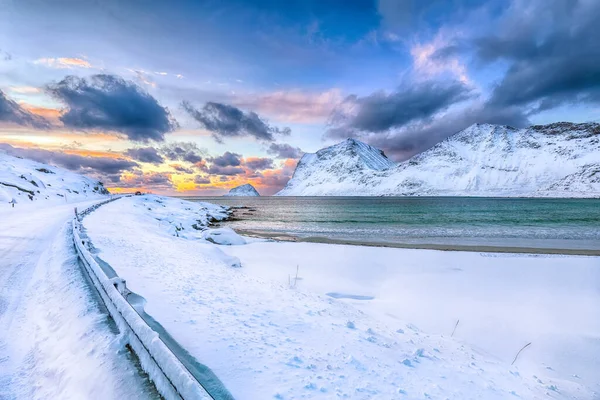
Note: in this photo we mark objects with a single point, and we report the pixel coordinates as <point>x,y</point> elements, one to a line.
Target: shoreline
<point>286,237</point>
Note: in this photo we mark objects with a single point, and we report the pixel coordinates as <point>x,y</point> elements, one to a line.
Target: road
<point>56,340</point>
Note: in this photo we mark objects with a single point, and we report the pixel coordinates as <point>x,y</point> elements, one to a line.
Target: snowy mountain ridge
<point>555,160</point>
<point>25,181</point>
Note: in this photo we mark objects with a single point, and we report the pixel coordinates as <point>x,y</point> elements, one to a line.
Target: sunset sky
<point>196,97</point>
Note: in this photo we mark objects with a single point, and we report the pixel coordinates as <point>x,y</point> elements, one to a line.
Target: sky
<point>197,97</point>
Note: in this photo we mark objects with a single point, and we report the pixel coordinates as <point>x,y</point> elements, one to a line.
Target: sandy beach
<point>424,246</point>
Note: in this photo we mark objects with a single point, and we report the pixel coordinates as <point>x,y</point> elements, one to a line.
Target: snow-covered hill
<point>27,182</point>
<point>556,160</point>
<point>243,190</point>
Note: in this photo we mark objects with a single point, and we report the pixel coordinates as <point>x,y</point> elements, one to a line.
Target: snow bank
<point>223,236</point>
<point>268,333</point>
<point>177,217</point>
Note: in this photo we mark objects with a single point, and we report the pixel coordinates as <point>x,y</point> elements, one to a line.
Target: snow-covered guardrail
<point>172,379</point>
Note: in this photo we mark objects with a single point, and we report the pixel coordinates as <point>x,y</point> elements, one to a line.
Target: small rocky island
<point>243,190</point>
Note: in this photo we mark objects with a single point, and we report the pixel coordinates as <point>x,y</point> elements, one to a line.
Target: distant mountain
<point>243,190</point>
<point>25,181</point>
<point>556,160</point>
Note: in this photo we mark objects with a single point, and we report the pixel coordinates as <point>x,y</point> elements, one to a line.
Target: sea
<point>464,221</point>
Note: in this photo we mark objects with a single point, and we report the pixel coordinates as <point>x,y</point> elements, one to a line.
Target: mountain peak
<point>360,153</point>
<point>243,190</point>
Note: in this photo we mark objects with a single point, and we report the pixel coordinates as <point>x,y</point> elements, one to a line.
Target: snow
<point>243,190</point>
<point>55,339</point>
<point>556,160</point>
<point>223,236</point>
<point>305,320</point>
<point>170,377</point>
<point>30,183</point>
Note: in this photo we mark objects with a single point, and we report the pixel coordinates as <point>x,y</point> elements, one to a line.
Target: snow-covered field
<point>359,322</point>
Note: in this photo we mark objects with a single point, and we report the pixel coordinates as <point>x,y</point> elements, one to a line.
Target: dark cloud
<point>284,150</point>
<point>115,178</point>
<point>11,111</point>
<point>554,54</point>
<point>108,102</point>
<point>380,112</point>
<point>228,159</point>
<point>145,154</point>
<point>227,164</point>
<point>181,168</point>
<point>183,151</point>
<point>229,170</point>
<point>154,180</point>
<point>73,162</point>
<point>256,163</point>
<point>201,180</point>
<point>226,121</point>
<point>417,137</point>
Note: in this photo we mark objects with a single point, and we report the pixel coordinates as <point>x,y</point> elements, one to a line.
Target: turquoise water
<point>559,223</point>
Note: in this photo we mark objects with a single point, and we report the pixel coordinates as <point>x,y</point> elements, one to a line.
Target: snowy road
<point>55,339</point>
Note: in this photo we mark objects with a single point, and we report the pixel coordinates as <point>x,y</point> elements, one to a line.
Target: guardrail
<point>170,376</point>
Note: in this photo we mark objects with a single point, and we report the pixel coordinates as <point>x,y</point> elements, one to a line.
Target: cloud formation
<point>181,168</point>
<point>110,103</point>
<point>417,137</point>
<point>293,106</point>
<point>201,180</point>
<point>380,112</point>
<point>64,62</point>
<point>12,112</point>
<point>548,54</point>
<point>258,163</point>
<point>147,180</point>
<point>226,171</point>
<point>183,151</point>
<point>284,150</point>
<point>228,159</point>
<point>145,154</point>
<point>227,121</point>
<point>73,162</point>
<point>553,51</point>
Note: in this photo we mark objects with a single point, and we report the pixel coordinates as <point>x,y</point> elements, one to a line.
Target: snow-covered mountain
<point>26,182</point>
<point>556,160</point>
<point>243,190</point>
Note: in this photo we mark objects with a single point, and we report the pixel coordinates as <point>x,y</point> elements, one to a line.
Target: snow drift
<point>556,160</point>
